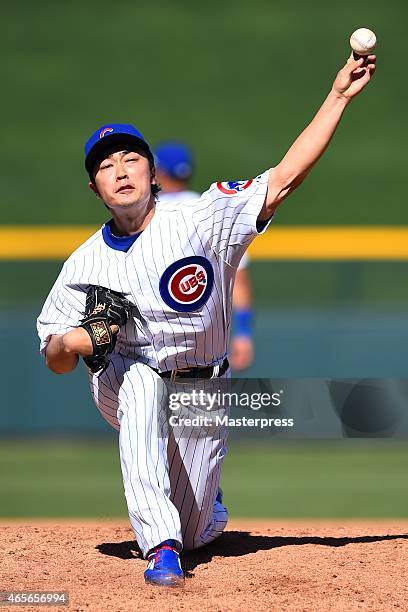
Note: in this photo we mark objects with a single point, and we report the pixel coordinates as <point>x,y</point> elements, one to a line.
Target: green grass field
<point>342,479</point>
<point>238,81</point>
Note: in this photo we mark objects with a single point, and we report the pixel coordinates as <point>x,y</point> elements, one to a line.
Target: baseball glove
<point>103,308</point>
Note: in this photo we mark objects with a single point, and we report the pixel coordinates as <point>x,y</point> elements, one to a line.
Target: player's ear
<point>154,184</point>
<point>93,188</point>
<point>153,178</point>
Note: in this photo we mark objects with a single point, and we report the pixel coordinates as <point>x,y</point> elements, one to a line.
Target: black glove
<point>103,308</point>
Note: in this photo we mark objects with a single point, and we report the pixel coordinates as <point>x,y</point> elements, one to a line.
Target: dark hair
<point>156,189</point>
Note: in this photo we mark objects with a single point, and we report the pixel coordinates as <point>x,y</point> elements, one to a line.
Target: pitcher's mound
<point>255,565</point>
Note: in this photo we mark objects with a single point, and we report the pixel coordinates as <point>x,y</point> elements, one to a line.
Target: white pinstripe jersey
<point>174,197</point>
<point>179,274</point>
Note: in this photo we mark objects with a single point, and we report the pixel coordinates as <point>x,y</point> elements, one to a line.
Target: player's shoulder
<point>178,207</point>
<point>177,197</point>
<point>86,248</point>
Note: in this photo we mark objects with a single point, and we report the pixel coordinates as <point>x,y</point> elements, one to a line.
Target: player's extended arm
<point>315,138</point>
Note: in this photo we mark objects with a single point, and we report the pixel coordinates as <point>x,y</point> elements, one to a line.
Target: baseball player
<point>147,299</point>
<point>174,170</point>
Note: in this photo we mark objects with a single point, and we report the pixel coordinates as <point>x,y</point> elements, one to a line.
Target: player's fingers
<point>353,57</point>
<point>352,66</point>
<point>359,63</point>
<point>114,329</point>
<point>371,60</point>
<point>365,78</point>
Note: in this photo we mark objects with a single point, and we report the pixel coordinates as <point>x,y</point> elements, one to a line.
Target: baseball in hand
<point>363,41</point>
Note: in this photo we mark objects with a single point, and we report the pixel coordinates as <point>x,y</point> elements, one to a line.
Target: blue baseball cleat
<point>164,567</point>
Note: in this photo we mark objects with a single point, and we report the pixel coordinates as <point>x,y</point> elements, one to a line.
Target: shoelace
<point>155,553</point>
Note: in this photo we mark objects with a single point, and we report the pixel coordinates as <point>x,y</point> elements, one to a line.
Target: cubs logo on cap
<point>186,284</point>
<point>105,131</point>
<point>233,187</point>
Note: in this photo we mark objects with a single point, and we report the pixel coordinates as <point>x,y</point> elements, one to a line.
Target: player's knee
<point>200,541</point>
<point>193,539</point>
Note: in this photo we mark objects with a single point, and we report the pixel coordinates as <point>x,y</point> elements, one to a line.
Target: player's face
<point>123,179</point>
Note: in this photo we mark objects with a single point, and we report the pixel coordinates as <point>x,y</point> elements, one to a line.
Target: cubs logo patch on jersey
<point>234,187</point>
<point>186,284</point>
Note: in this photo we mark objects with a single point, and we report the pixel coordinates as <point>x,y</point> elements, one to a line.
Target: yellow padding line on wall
<point>279,243</point>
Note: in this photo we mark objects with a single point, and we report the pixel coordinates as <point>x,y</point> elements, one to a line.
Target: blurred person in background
<point>174,171</point>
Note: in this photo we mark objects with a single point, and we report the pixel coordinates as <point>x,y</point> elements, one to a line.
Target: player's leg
<point>196,455</point>
<point>195,470</point>
<point>138,396</point>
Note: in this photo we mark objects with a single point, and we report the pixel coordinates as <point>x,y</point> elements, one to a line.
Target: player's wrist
<point>77,341</point>
<point>243,322</point>
<point>67,346</point>
<point>338,97</point>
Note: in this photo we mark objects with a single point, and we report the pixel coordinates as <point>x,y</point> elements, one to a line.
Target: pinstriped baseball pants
<point>170,479</point>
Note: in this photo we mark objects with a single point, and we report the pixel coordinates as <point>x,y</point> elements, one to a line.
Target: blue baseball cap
<point>110,136</point>
<point>174,158</point>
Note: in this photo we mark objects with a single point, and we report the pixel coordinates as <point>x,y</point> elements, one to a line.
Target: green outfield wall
<point>321,319</point>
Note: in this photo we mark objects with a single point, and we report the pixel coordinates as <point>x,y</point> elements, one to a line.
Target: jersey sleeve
<point>227,215</point>
<point>243,264</point>
<point>63,309</point>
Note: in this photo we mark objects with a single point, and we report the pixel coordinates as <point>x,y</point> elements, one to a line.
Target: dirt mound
<point>266,565</point>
